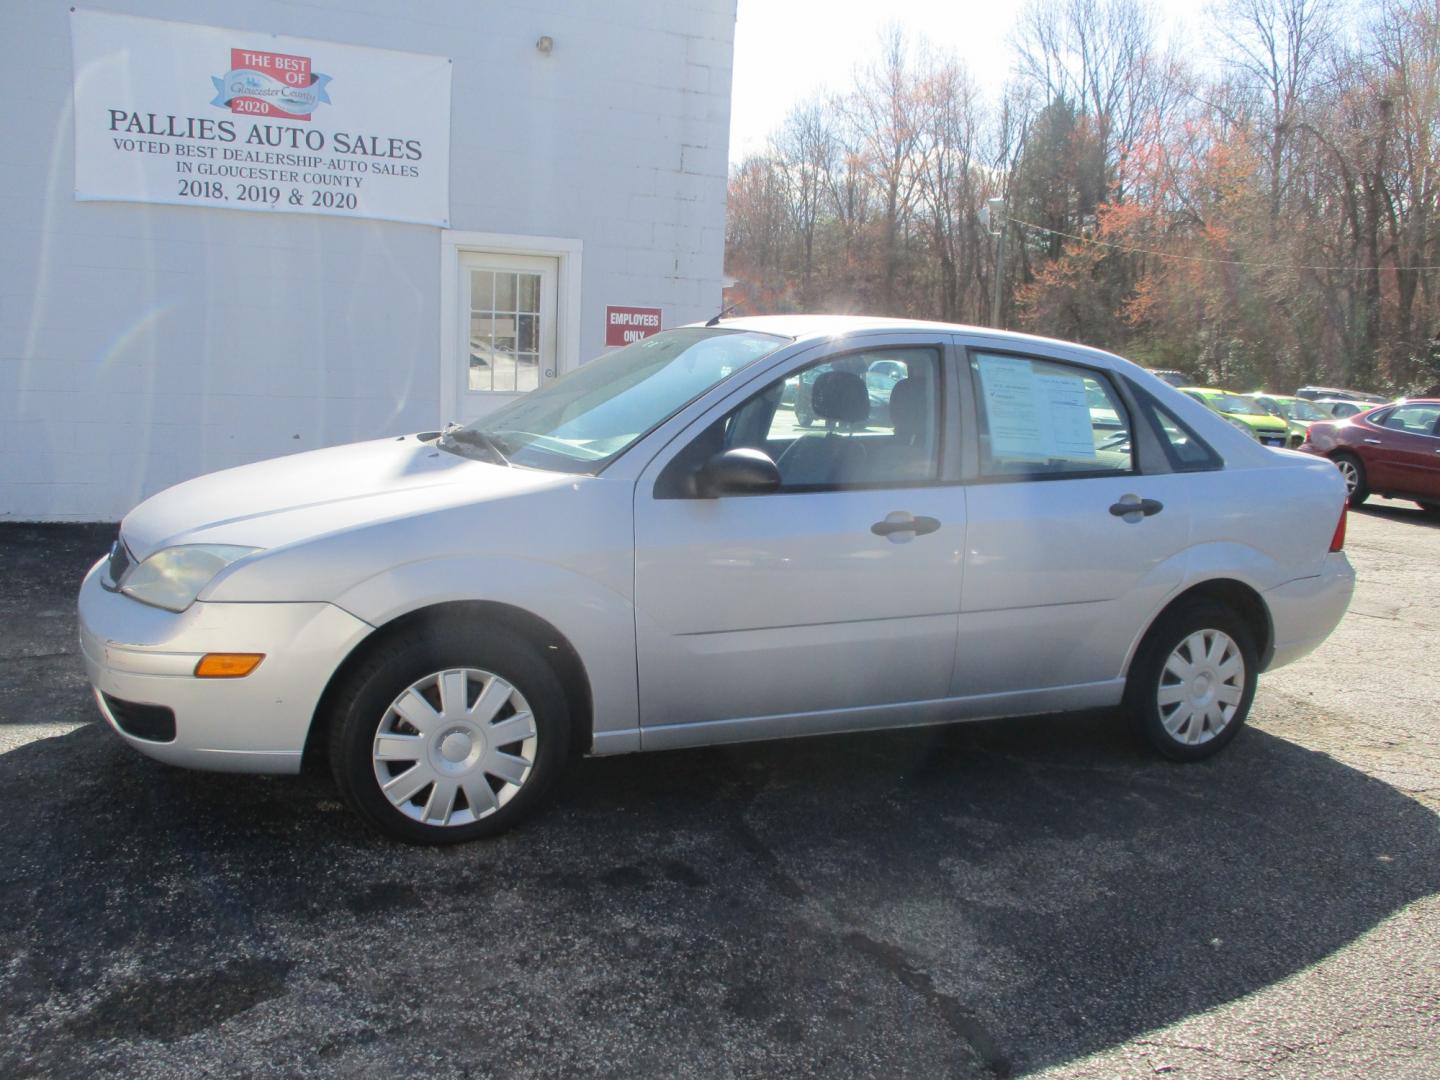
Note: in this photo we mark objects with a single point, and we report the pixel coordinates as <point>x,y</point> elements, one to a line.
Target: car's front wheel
<point>448,732</point>
<point>1352,471</point>
<point>1192,682</point>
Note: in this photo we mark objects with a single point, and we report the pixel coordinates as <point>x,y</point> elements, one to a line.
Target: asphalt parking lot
<point>1033,896</point>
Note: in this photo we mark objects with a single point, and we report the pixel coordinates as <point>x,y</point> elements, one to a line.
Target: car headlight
<point>172,578</point>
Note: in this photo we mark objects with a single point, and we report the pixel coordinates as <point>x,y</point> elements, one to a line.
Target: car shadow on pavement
<point>980,900</point>
<point>1398,511</point>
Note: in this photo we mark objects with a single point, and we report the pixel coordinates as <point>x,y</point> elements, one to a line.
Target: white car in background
<point>649,553</point>
<point>1341,408</point>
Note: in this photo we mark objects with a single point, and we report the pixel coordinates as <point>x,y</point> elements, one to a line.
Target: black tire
<point>1361,491</point>
<point>1144,683</point>
<point>365,698</point>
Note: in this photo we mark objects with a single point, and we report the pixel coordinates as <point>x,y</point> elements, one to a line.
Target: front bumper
<point>146,656</point>
<point>1304,612</point>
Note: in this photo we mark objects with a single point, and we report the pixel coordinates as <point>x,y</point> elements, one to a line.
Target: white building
<point>377,267</point>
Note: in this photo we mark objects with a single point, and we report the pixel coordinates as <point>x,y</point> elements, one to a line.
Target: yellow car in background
<point>1297,412</point>
<point>1269,430</point>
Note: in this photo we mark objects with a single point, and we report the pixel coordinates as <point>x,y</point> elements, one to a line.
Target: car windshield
<point>1232,403</point>
<point>580,422</point>
<point>1300,409</point>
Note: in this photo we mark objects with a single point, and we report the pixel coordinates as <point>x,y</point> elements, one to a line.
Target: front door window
<point>863,419</point>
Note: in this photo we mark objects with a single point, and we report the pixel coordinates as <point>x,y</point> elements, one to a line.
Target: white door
<point>781,613</point>
<point>505,341</point>
<point>1060,575</point>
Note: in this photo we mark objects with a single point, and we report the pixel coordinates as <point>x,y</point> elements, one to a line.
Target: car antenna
<point>716,320</point>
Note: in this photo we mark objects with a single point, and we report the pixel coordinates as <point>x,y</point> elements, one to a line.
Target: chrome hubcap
<point>1351,477</point>
<point>1201,687</point>
<point>454,747</point>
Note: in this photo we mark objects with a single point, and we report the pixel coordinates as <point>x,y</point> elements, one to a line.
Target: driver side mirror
<point>741,471</point>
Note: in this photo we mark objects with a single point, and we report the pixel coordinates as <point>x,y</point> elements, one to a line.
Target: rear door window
<point>1044,419</point>
<point>1411,419</point>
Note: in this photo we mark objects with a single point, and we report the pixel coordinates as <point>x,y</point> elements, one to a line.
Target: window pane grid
<point>504,331</point>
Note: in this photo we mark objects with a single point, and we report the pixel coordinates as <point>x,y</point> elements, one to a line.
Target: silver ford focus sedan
<point>656,552</point>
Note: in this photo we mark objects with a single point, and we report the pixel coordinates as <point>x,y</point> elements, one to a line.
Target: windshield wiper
<point>455,435</point>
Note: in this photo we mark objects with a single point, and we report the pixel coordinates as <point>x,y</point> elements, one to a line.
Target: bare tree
<point>1272,221</point>
<point>805,150</point>
<point>947,187</point>
<point>1277,50</point>
<point>1097,55</point>
<point>1407,33</point>
<point>883,111</point>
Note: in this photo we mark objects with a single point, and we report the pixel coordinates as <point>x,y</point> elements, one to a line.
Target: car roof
<point>1363,394</point>
<point>818,329</point>
<point>814,328</point>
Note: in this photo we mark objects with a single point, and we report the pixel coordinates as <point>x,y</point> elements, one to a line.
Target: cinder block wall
<point>142,345</point>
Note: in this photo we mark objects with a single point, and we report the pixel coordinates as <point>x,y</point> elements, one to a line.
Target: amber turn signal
<point>227,665</point>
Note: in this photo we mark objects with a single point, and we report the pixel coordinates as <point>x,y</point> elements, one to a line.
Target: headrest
<point>907,407</point>
<point>840,395</point>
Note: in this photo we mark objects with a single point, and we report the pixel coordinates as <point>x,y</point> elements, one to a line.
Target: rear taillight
<point>1337,542</point>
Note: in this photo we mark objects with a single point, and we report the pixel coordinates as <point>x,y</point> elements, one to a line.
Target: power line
<point>1201,259</point>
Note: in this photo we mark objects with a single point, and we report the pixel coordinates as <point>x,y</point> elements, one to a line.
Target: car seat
<point>833,457</point>
<point>905,455</point>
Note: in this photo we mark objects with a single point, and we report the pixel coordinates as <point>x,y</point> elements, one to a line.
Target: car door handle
<point>901,522</point>
<point>1133,504</point>
<point>1373,442</point>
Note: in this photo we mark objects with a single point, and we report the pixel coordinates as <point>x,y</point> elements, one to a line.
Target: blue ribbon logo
<point>293,100</point>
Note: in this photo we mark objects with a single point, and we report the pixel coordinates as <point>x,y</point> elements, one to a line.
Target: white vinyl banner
<point>198,116</point>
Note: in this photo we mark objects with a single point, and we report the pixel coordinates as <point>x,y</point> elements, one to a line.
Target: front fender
<point>597,621</point>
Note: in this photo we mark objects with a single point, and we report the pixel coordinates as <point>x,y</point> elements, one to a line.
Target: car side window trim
<point>1152,408</point>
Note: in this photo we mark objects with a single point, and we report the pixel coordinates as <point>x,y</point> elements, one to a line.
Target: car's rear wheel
<point>1192,683</point>
<point>448,733</point>
<point>1352,470</point>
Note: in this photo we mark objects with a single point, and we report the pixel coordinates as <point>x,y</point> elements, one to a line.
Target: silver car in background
<point>654,552</point>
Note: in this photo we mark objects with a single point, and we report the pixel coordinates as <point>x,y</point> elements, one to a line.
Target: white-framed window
<point>509,318</point>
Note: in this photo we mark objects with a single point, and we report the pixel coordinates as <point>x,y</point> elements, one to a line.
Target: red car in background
<point>1392,451</point>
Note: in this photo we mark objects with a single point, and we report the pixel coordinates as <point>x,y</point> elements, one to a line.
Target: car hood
<point>1261,423</point>
<point>287,499</point>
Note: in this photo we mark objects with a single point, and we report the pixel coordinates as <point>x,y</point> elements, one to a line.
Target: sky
<point>787,51</point>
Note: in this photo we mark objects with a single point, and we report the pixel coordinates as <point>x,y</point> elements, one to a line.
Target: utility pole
<point>993,214</point>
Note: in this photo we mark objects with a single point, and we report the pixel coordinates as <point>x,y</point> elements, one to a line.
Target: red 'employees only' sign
<point>626,324</point>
